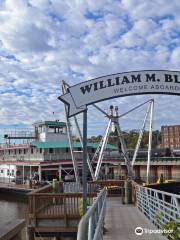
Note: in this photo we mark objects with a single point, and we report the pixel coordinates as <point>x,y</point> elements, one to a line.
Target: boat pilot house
<point>42,153</point>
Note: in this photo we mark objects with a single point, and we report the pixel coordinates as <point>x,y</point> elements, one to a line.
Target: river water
<point>12,207</point>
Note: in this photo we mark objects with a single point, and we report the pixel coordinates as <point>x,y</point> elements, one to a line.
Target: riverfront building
<point>170,136</point>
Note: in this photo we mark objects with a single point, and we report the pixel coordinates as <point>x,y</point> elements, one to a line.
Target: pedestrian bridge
<point>152,213</point>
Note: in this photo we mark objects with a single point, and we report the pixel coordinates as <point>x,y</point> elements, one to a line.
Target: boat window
<point>8,172</point>
<point>51,129</point>
<point>31,150</point>
<point>2,171</point>
<point>51,150</point>
<point>40,150</point>
<point>13,172</point>
<point>40,129</point>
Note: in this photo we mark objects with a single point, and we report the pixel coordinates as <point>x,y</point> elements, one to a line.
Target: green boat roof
<point>51,123</point>
<point>65,144</point>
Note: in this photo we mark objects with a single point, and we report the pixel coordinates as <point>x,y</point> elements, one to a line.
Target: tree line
<point>131,138</point>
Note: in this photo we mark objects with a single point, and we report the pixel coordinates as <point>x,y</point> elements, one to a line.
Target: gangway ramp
<point>122,220</point>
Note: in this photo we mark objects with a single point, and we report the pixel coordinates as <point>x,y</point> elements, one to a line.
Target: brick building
<point>170,136</point>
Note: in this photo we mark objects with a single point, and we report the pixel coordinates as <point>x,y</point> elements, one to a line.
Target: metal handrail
<point>91,224</point>
<point>159,206</point>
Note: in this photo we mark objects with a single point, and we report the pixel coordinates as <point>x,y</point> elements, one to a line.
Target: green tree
<point>131,138</point>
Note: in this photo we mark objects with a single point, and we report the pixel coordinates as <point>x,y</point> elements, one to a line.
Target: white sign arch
<point>92,91</point>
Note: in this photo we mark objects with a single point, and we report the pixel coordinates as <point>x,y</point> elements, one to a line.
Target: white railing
<point>92,223</point>
<point>159,206</point>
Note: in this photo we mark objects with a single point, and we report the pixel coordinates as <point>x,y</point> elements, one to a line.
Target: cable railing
<point>92,223</point>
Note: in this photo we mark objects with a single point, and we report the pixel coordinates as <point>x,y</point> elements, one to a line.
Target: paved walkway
<point>121,221</point>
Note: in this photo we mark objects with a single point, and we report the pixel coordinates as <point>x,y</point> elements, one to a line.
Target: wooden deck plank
<point>58,211</point>
<point>121,221</point>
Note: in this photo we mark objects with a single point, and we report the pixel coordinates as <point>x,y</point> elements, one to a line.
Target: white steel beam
<point>141,135</point>
<point>98,149</point>
<point>81,138</point>
<point>133,109</point>
<point>150,139</point>
<point>102,111</point>
<point>81,141</point>
<point>64,90</point>
<point>124,151</point>
<point>102,149</point>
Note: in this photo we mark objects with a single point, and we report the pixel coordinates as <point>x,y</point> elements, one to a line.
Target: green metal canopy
<point>65,144</point>
<point>51,123</point>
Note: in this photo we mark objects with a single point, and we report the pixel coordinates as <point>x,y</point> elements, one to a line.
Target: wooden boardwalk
<point>121,221</point>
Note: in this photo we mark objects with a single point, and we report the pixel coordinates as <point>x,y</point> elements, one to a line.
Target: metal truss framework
<point>65,87</point>
<point>113,125</point>
<point>149,113</point>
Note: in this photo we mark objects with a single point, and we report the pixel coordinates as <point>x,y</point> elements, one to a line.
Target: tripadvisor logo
<point>139,231</point>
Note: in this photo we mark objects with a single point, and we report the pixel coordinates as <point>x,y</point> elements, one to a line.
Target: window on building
<point>51,150</point>
<point>40,150</point>
<point>24,151</point>
<point>8,172</point>
<point>14,151</point>
<point>9,152</point>
<point>32,151</point>
<point>67,150</point>
<point>2,171</point>
<point>19,151</point>
<point>13,172</point>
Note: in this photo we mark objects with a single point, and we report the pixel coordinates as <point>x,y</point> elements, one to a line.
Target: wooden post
<point>30,232</point>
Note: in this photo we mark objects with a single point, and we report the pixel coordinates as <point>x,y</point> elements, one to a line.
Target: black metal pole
<point>84,172</point>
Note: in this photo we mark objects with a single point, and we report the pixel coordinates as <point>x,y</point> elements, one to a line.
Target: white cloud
<point>43,42</point>
<point>176,56</point>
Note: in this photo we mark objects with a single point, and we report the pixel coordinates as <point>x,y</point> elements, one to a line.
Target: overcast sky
<point>45,41</point>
